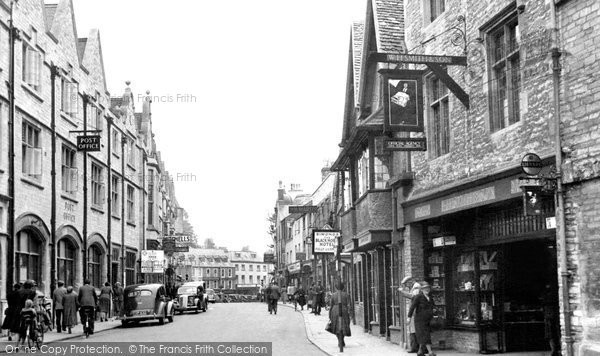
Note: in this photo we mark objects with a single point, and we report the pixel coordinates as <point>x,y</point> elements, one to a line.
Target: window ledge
<point>498,135</point>
<point>97,209</point>
<point>131,166</point>
<point>68,118</point>
<point>116,217</point>
<point>32,91</point>
<point>116,155</point>
<point>131,223</point>
<point>32,183</point>
<point>69,198</point>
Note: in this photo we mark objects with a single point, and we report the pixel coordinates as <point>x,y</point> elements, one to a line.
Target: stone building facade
<point>250,270</point>
<point>75,214</point>
<point>455,213</point>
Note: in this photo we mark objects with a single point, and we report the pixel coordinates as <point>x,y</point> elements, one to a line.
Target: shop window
<point>359,282</point>
<point>397,299</point>
<point>130,258</point>
<point>68,170</point>
<point>439,117</point>
<point>505,83</point>
<point>374,286</point>
<point>95,265</point>
<point>66,261</point>
<point>32,151</point>
<point>28,257</point>
<point>436,274</point>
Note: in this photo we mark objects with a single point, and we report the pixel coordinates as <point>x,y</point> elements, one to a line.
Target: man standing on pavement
<point>57,300</point>
<point>118,299</point>
<point>88,300</point>
<point>411,288</point>
<point>274,296</point>
<point>319,300</point>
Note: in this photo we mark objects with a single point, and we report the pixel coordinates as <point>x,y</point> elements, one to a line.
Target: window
<point>69,170</point>
<point>69,97</point>
<point>439,117</point>
<point>97,185</point>
<point>381,164</point>
<point>114,195</point>
<point>208,272</point>
<point>130,203</point>
<point>28,257</point>
<point>150,198</point>
<point>243,267</point>
<point>95,265</point>
<point>264,268</point>
<point>347,191</point>
<point>222,273</point>
<point>237,267</point>
<point>32,63</point>
<point>505,83</point>
<point>130,267</point>
<point>115,142</point>
<point>250,267</point>
<point>243,279</point>
<point>131,152</point>
<point>363,173</point>
<point>250,279</point>
<point>216,272</point>
<point>66,261</point>
<point>229,272</point>
<point>32,151</point>
<point>434,8</point>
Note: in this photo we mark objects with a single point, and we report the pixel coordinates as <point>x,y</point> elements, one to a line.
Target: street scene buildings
<point>468,161</point>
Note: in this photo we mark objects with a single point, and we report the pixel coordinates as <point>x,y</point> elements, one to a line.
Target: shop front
<point>492,269</point>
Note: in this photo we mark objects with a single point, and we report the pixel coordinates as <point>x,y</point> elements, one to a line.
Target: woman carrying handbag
<point>339,315</point>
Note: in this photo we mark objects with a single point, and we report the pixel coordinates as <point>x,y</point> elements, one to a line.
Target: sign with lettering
<point>405,144</point>
<point>325,241</point>
<point>269,258</point>
<point>153,261</point>
<point>88,143</point>
<point>300,256</point>
<point>403,100</point>
<point>531,164</point>
<point>179,238</point>
<point>418,58</point>
<point>303,209</point>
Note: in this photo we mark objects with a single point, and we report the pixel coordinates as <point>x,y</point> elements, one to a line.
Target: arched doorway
<point>66,255</point>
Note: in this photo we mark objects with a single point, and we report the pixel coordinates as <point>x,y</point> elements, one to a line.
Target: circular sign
<point>531,164</point>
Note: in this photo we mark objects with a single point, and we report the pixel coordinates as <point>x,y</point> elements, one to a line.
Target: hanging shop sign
<point>88,143</point>
<point>300,256</point>
<point>294,268</point>
<point>269,258</point>
<point>532,201</point>
<point>531,164</point>
<point>153,261</point>
<point>418,58</point>
<point>302,209</point>
<point>405,144</point>
<point>444,241</point>
<point>403,100</point>
<point>325,241</point>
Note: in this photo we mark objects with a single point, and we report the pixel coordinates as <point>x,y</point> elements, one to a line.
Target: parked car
<point>191,296</point>
<point>147,302</point>
<point>211,295</point>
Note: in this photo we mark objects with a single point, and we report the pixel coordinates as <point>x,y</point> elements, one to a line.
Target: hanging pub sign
<point>88,143</point>
<point>403,100</point>
<point>532,200</point>
<point>325,241</point>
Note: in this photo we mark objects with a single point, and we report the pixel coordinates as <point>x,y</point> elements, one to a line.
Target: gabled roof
<point>357,47</point>
<point>388,18</point>
<point>49,11</point>
<point>81,42</point>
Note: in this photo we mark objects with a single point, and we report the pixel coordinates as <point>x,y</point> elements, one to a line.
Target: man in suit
<point>274,296</point>
<point>57,299</point>
<point>319,291</point>
<point>88,300</point>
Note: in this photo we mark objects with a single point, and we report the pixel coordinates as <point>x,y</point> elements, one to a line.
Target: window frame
<point>69,170</point>
<point>114,195</point>
<point>29,48</point>
<point>97,185</point>
<point>438,97</point>
<point>31,150</point>
<point>130,203</point>
<point>66,263</point>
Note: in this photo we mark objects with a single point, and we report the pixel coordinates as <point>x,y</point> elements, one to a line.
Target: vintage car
<point>147,302</point>
<point>191,296</point>
<point>211,296</point>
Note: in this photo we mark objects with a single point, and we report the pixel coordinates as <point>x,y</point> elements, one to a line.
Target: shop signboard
<point>294,267</point>
<point>325,241</point>
<point>153,261</point>
<point>532,201</point>
<point>406,144</point>
<point>88,143</point>
<point>403,100</point>
<point>302,209</point>
<point>300,256</point>
<point>269,258</point>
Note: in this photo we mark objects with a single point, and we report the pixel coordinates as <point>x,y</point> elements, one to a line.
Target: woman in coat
<point>104,301</point>
<point>70,308</point>
<point>339,314</point>
<point>422,309</point>
<point>11,313</point>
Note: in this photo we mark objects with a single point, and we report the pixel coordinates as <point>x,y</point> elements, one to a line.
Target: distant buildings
<point>250,269</point>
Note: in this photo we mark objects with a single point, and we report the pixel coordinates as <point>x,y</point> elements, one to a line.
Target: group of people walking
<point>26,302</point>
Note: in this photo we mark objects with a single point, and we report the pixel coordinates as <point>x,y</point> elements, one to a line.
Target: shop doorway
<point>530,305</point>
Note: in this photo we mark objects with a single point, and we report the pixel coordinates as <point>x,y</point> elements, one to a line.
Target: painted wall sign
<point>468,199</point>
<point>403,100</point>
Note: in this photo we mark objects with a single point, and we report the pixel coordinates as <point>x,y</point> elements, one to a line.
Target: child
<point>28,319</point>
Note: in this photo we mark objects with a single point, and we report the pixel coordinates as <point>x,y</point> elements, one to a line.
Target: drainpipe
<point>86,100</point>
<point>53,74</point>
<point>109,124</point>
<point>559,198</point>
<point>123,208</point>
<point>13,36</point>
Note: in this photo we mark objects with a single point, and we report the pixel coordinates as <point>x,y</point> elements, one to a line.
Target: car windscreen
<point>210,291</point>
<point>187,290</point>
<point>139,293</point>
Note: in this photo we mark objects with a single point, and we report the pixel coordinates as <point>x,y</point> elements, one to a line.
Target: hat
<point>425,285</point>
<point>406,279</point>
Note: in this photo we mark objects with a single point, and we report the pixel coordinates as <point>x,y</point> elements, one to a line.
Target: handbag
<point>328,327</point>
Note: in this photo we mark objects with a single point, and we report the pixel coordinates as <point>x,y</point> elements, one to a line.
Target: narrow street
<point>234,322</point>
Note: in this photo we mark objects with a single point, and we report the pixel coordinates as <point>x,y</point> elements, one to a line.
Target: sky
<point>245,94</point>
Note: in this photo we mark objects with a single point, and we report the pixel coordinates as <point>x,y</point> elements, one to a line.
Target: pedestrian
<point>118,299</point>
<point>104,301</point>
<point>10,314</point>
<point>284,294</point>
<point>411,288</point>
<point>319,292</point>
<point>300,297</point>
<point>41,306</point>
<point>422,309</point>
<point>70,309</point>
<point>274,296</point>
<point>59,310</point>
<point>27,313</point>
<point>551,318</point>
<point>87,300</point>
<point>23,294</point>
<point>267,298</point>
<point>311,298</point>
<point>339,314</point>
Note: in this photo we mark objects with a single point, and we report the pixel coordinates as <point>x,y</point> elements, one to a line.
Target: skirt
<point>104,304</point>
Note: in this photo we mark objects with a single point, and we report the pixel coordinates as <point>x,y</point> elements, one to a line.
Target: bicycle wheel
<point>86,328</point>
<point>39,340</point>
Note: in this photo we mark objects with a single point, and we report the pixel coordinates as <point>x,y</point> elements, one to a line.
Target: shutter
<point>73,185</point>
<point>33,66</point>
<point>35,161</point>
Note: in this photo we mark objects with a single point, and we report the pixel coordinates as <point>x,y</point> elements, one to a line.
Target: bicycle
<point>34,333</point>
<point>88,322</point>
